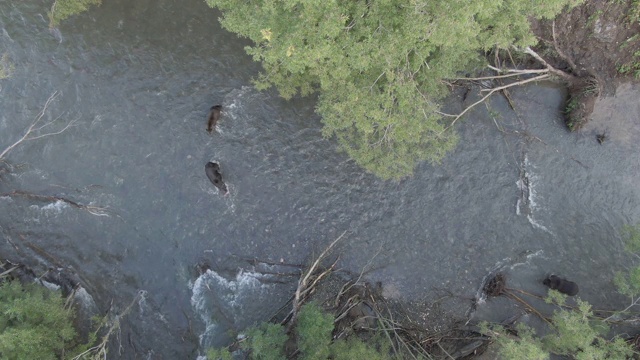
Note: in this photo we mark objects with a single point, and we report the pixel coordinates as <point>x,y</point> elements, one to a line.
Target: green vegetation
<point>628,283</point>
<point>220,354</point>
<point>523,347</point>
<point>34,324</point>
<point>578,333</point>
<point>62,9</point>
<point>380,66</point>
<point>634,12</point>
<point>574,332</point>
<point>632,67</point>
<point>592,19</point>
<point>313,335</point>
<point>569,109</point>
<point>633,18</point>
<point>314,330</point>
<point>266,342</point>
<point>6,67</point>
<point>37,323</point>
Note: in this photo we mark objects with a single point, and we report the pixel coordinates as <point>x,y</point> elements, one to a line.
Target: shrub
<point>62,9</point>
<point>266,342</point>
<point>574,333</point>
<point>34,323</point>
<point>313,334</point>
<point>379,67</point>
<point>6,67</point>
<point>523,347</point>
<point>314,329</point>
<point>355,348</point>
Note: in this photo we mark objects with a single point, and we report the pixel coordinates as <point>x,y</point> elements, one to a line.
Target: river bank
<point>598,43</point>
<point>141,82</point>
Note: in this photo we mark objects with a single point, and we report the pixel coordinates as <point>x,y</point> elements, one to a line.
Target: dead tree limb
<point>93,210</point>
<point>568,78</point>
<point>100,350</point>
<point>5,273</point>
<point>491,92</point>
<point>308,281</point>
<point>558,50</point>
<point>571,80</point>
<point>528,306</point>
<point>34,130</point>
<point>510,73</point>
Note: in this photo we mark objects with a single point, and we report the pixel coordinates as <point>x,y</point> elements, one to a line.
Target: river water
<point>519,193</point>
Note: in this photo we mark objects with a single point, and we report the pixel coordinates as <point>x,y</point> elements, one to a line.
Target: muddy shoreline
<point>598,43</point>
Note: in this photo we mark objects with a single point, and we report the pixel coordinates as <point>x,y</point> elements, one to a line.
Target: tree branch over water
<point>380,69</point>
<point>309,279</point>
<point>34,131</point>
<point>93,210</point>
<point>491,91</point>
<point>112,326</point>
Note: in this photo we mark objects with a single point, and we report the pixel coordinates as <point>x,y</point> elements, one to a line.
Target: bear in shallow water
<point>212,118</point>
<point>213,173</point>
<point>562,285</point>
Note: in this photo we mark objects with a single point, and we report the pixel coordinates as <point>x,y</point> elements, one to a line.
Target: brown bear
<point>213,173</point>
<point>212,119</point>
<point>562,285</point>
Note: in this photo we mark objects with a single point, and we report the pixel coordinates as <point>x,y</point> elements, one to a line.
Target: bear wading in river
<point>212,118</point>
<point>213,173</point>
<point>562,285</point>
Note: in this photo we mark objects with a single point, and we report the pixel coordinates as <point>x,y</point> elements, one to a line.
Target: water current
<point>137,78</point>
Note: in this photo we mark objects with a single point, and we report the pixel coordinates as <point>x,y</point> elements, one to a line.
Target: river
<point>519,193</point>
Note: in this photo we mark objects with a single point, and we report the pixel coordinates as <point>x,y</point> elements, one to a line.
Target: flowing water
<point>136,78</point>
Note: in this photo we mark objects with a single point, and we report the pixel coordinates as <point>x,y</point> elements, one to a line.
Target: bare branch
<point>511,73</point>
<point>558,50</point>
<point>303,284</point>
<point>542,74</point>
<point>491,92</point>
<point>321,257</point>
<point>93,210</point>
<point>444,114</point>
<point>374,83</point>
<point>565,76</point>
<point>518,71</point>
<point>5,273</point>
<point>100,351</point>
<point>70,124</point>
<point>616,315</point>
<point>35,127</point>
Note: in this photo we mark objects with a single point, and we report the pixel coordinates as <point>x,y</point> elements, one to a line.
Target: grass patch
<point>6,67</point>
<point>34,323</point>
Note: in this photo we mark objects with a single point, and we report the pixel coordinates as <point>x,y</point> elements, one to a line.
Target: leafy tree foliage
<point>314,329</point>
<point>631,238</point>
<point>33,323</point>
<point>6,67</point>
<point>356,349</point>
<point>62,9</point>
<point>314,341</point>
<point>628,283</point>
<point>266,342</point>
<point>579,334</point>
<point>575,333</point>
<point>523,347</point>
<point>379,65</point>
<point>219,354</point>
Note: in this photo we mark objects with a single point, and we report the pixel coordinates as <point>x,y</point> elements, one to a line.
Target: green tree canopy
<point>62,9</point>
<point>34,323</point>
<point>378,65</point>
